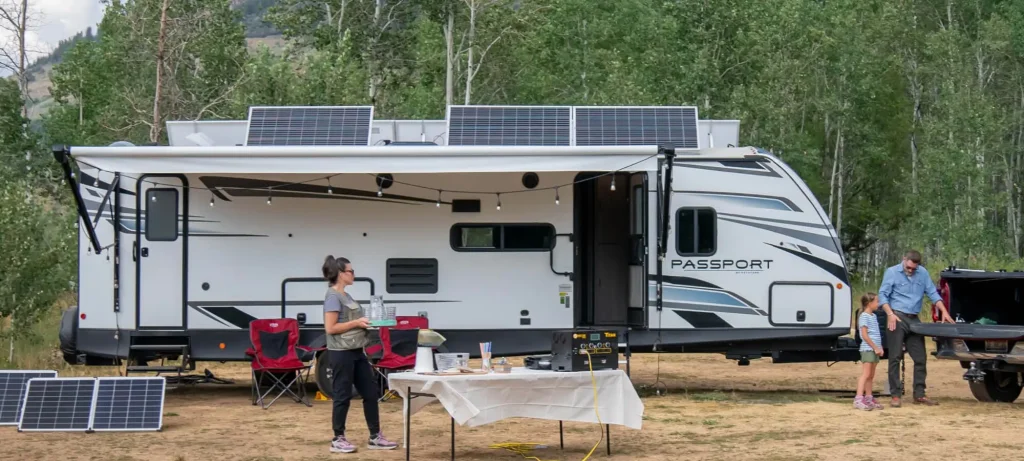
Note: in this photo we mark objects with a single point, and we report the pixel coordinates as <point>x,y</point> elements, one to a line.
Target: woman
<point>346,337</point>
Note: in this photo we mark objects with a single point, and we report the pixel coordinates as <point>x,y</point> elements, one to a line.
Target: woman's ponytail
<point>331,269</point>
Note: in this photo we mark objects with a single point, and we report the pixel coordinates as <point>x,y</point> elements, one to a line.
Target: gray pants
<point>895,341</point>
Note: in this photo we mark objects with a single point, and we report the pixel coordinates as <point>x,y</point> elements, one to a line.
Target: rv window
<point>161,215</point>
<point>502,237</point>
<point>695,232</point>
<point>638,210</point>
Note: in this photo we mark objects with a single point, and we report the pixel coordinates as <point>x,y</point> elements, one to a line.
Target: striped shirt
<point>870,321</point>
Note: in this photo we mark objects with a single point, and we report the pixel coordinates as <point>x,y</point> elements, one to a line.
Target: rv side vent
<point>407,275</point>
<point>466,206</point>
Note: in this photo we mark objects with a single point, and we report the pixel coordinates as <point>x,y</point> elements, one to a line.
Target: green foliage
<point>38,254</point>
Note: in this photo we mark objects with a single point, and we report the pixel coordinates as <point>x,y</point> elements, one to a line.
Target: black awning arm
<point>63,156</point>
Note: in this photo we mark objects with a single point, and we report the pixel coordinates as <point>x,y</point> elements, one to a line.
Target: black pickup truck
<point>988,338</point>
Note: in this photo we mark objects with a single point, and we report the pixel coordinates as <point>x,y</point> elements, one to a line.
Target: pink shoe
<point>874,403</point>
<point>341,445</point>
<point>861,404</point>
<point>381,443</point>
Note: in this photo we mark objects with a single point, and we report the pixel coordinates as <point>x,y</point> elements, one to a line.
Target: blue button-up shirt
<point>903,293</point>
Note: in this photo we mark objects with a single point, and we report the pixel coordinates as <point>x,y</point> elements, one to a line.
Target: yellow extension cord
<point>523,449</point>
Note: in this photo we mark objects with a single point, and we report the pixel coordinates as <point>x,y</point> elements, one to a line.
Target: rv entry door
<point>160,251</point>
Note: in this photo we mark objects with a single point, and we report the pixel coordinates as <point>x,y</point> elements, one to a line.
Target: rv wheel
<point>997,386</point>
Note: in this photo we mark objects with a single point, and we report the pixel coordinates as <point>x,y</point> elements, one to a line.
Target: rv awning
<point>362,159</point>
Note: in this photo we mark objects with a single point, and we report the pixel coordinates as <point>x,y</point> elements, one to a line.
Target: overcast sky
<point>55,20</point>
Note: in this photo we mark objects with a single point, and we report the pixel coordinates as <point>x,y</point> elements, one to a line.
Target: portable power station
<point>567,350</point>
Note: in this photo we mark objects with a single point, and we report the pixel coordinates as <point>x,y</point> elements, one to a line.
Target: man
<point>903,287</point>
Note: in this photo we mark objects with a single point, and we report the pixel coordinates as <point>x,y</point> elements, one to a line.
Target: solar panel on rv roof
<point>310,126</point>
<point>57,404</point>
<point>509,126</point>
<point>12,392</point>
<point>129,404</point>
<point>632,126</point>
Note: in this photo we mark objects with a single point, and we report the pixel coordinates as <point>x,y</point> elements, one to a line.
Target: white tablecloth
<point>474,400</point>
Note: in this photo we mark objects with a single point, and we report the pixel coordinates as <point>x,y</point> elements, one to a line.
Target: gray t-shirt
<point>348,310</point>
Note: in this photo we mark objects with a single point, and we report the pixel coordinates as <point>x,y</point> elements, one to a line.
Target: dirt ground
<point>713,409</point>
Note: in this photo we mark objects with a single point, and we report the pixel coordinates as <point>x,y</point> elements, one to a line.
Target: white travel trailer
<point>500,223</point>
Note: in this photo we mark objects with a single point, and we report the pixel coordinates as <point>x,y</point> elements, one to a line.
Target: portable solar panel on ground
<point>12,392</point>
<point>129,404</point>
<point>509,126</point>
<point>310,126</point>
<point>634,126</point>
<point>57,404</point>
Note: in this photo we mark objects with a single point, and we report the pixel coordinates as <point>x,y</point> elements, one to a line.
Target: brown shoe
<point>895,402</point>
<point>925,401</point>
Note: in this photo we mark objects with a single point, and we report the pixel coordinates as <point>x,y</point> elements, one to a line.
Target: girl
<point>346,337</point>
<point>870,352</point>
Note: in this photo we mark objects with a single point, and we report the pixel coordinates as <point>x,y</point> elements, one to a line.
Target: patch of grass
<point>852,441</point>
<point>710,422</point>
<point>170,414</point>
<point>714,396</point>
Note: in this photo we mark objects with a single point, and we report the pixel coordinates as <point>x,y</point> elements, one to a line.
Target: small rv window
<point>161,215</point>
<point>502,237</point>
<point>696,233</point>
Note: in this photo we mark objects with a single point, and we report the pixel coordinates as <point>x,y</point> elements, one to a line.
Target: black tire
<point>323,381</point>
<point>997,386</point>
<point>68,335</point>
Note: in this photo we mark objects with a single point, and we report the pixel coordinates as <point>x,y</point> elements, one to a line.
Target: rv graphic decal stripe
<point>306,302</point>
<point>838,271</point>
<point>86,179</point>
<point>749,164</point>
<point>779,221</point>
<point>746,171</point>
<point>685,281</point>
<point>211,316</point>
<point>768,202</point>
<point>698,296</point>
<point>232,315</point>
<point>821,241</point>
<point>709,308</point>
<point>703,319</point>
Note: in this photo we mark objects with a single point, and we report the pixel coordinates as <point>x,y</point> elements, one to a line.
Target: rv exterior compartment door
<point>160,252</point>
<point>802,304</point>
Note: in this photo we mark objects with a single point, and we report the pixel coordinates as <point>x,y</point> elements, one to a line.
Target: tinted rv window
<point>161,215</point>
<point>695,232</point>
<point>502,237</point>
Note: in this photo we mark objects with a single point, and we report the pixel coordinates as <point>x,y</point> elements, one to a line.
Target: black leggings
<point>348,368</point>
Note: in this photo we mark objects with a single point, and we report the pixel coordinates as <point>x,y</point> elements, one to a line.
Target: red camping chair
<point>396,350</point>
<point>278,361</point>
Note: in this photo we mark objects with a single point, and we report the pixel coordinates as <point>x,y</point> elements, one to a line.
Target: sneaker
<point>895,402</point>
<point>381,443</point>
<point>860,404</point>
<point>341,445</point>
<point>925,401</point>
<point>874,403</point>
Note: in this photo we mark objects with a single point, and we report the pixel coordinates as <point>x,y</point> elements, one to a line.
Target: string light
<point>380,185</point>
<point>211,201</point>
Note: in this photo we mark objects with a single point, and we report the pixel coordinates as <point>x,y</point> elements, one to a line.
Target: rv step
<point>145,368</point>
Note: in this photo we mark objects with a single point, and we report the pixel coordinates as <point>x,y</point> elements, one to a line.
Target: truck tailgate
<point>968,331</point>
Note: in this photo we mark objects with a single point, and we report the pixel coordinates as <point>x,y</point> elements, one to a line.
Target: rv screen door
<point>161,236</point>
<point>638,250</point>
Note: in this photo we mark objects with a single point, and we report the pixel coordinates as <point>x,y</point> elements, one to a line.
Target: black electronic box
<point>567,350</point>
